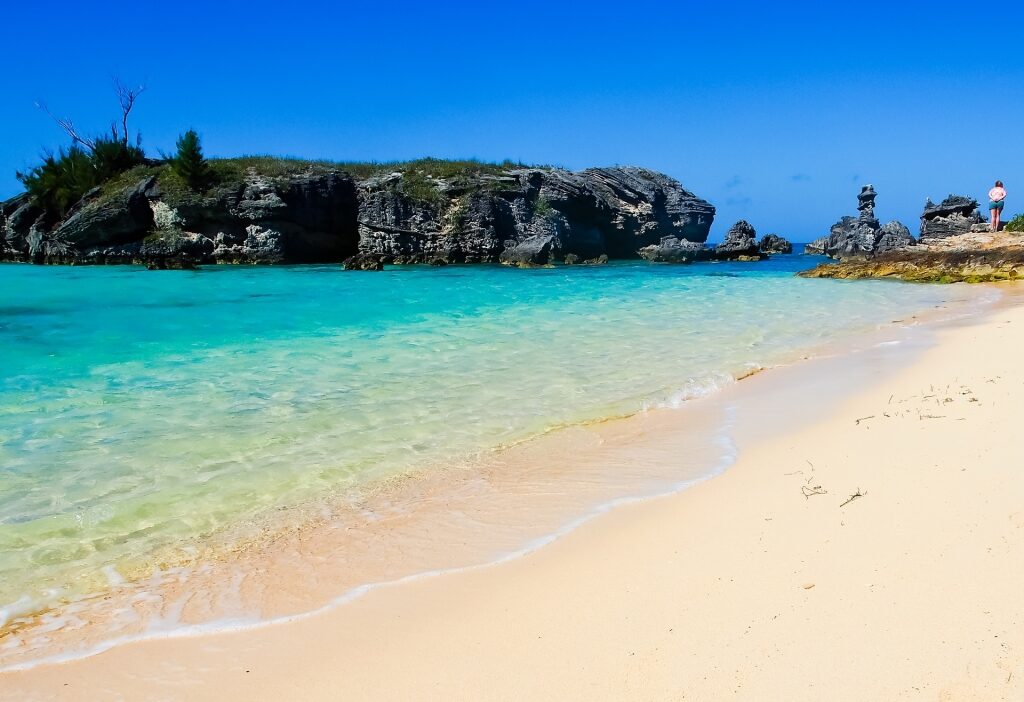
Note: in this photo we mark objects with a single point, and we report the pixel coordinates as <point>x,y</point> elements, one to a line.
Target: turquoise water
<point>140,411</point>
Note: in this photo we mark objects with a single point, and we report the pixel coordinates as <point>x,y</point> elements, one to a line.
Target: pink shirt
<point>996,194</point>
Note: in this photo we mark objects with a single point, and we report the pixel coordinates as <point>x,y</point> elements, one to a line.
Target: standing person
<point>995,203</point>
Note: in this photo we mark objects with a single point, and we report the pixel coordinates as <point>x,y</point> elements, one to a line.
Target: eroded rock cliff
<point>424,212</point>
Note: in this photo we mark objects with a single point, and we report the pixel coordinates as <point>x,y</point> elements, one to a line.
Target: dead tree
<point>69,127</point>
<point>125,96</point>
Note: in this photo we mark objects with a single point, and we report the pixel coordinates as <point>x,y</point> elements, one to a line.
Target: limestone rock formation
<point>672,249</point>
<point>927,265</point>
<point>739,242</point>
<point>540,249</point>
<point>425,212</point>
<point>893,236</point>
<point>123,217</point>
<point>599,211</point>
<point>774,244</point>
<point>863,235</point>
<point>955,215</point>
<point>818,247</point>
<point>866,202</point>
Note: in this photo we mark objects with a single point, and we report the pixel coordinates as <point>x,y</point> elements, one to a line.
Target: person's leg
<point>998,211</point>
<point>992,219</point>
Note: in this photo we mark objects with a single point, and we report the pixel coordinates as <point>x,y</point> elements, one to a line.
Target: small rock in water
<point>739,241</point>
<point>774,244</point>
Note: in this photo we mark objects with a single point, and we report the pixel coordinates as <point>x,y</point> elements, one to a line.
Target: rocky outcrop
<point>120,217</point>
<point>862,236</point>
<point>538,250</point>
<point>16,217</point>
<point>924,266</point>
<point>893,236</point>
<point>955,215</point>
<point>437,214</point>
<point>774,244</point>
<point>740,242</point>
<point>528,216</point>
<point>818,247</point>
<point>672,249</point>
<point>866,202</point>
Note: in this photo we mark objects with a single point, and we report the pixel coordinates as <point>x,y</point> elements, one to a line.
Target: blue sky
<point>775,112</point>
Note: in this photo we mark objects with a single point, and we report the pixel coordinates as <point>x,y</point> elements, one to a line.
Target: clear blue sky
<point>775,112</point>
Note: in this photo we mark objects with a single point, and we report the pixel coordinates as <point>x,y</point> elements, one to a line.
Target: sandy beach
<point>865,546</point>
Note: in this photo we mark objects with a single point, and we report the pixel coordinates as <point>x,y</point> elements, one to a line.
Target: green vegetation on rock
<point>1016,224</point>
<point>542,208</point>
<point>63,178</point>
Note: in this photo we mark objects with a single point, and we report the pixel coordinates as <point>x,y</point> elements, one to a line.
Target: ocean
<point>147,415</point>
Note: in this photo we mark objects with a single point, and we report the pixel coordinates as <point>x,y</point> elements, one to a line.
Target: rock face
<point>955,215</point>
<point>863,235</point>
<point>123,217</point>
<point>894,236</point>
<point>519,216</point>
<point>254,220</point>
<point>529,217</point>
<point>774,244</point>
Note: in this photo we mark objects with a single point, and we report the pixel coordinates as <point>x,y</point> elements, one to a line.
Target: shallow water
<point>143,413</point>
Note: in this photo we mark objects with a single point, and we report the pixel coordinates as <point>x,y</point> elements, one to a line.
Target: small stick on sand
<point>863,419</point>
<point>808,491</point>
<point>853,497</point>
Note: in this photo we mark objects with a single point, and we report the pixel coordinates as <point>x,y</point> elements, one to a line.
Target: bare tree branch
<point>68,126</point>
<point>127,97</point>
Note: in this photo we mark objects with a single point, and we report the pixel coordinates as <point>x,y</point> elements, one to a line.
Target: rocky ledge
<point>264,210</point>
<point>974,257</point>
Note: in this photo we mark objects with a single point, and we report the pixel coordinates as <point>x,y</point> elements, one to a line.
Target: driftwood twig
<point>853,497</point>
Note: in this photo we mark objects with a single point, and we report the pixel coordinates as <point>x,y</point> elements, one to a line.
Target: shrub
<point>63,178</point>
<point>1016,224</point>
<point>112,157</point>
<point>189,163</point>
